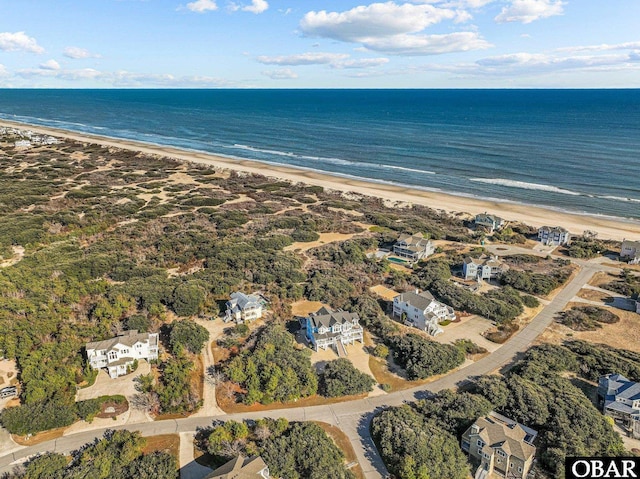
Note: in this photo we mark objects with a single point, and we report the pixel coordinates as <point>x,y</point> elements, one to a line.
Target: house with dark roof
<point>422,311</point>
<point>501,446</point>
<point>413,247</point>
<point>484,267</point>
<point>491,222</point>
<point>327,327</point>
<point>243,307</point>
<point>242,468</point>
<point>630,251</point>
<point>117,355</point>
<point>553,235</point>
<point>620,399</point>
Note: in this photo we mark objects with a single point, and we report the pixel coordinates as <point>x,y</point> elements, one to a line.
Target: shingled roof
<point>499,432</point>
<point>418,300</point>
<point>127,338</point>
<point>239,468</point>
<point>327,317</point>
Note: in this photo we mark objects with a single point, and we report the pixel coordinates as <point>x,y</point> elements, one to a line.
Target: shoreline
<point>607,227</point>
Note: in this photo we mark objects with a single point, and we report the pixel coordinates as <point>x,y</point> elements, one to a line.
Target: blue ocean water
<point>575,150</point>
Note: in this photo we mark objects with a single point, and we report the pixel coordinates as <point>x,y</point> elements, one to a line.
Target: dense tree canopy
<point>341,378</point>
<point>422,358</point>
<point>189,335</point>
<point>274,369</point>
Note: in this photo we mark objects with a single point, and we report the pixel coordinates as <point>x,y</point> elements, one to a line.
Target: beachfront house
<point>327,327</point>
<point>482,268</point>
<point>620,399</point>
<point>553,235</point>
<point>422,311</point>
<point>242,468</point>
<point>118,354</point>
<point>501,446</point>
<point>491,222</point>
<point>413,247</point>
<point>23,144</point>
<point>243,307</point>
<point>630,251</point>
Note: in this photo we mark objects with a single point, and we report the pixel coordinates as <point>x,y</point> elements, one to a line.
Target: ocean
<point>571,150</point>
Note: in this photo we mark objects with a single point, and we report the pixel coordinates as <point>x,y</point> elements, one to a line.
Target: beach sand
<point>607,228</point>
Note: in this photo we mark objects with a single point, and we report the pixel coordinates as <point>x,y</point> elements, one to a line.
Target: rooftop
<point>239,468</point>
<point>127,338</point>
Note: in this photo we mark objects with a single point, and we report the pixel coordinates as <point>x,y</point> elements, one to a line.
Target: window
<point>519,469</point>
<point>480,443</point>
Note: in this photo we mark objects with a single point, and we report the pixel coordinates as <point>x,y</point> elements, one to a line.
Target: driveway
<point>471,328</point>
<point>105,386</point>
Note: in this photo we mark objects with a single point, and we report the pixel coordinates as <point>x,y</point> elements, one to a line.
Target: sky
<point>319,44</point>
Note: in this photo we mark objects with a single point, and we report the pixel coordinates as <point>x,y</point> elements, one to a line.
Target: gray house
<point>555,235</point>
<point>484,267</point>
<point>327,327</point>
<point>620,399</point>
<point>501,446</point>
<point>630,251</point>
<point>243,307</point>
<point>491,222</point>
<point>413,247</point>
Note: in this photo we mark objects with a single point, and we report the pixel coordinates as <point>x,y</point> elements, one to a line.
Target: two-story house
<point>501,446</point>
<point>491,222</point>
<point>630,251</point>
<point>555,235</point>
<point>620,399</point>
<point>242,468</point>
<point>422,311</point>
<point>243,307</point>
<point>484,267</point>
<point>413,247</point>
<point>327,327</point>
<point>118,354</point>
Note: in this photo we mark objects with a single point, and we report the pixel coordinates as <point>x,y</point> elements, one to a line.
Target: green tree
<point>188,334</point>
<point>341,378</point>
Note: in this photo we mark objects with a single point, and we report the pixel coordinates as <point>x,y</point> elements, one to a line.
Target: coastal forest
<point>96,240</point>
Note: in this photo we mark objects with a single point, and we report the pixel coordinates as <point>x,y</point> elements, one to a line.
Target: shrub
<point>341,378</point>
<point>188,334</point>
<point>422,358</point>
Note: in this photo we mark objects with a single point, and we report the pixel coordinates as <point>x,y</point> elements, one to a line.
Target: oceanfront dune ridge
<point>606,227</point>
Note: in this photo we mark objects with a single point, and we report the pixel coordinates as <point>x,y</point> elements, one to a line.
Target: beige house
<point>243,307</point>
<point>630,251</point>
<point>501,446</point>
<point>242,468</point>
<point>413,247</point>
<point>118,354</point>
<point>491,222</point>
<point>484,267</point>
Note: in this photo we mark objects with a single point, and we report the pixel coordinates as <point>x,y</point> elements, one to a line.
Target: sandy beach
<point>606,228</point>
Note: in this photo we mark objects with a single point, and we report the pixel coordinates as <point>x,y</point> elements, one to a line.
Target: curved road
<point>352,417</point>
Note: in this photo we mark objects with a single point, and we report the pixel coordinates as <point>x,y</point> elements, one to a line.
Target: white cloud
<point>281,74</point>
<point>360,63</point>
<point>50,65</point>
<point>375,20</point>
<point>427,44</point>
<point>19,41</point>
<point>602,47</point>
<point>393,28</point>
<point>201,6</point>
<point>527,11</point>
<point>78,53</point>
<point>257,6</point>
<point>522,63</point>
<point>314,58</point>
<point>3,71</point>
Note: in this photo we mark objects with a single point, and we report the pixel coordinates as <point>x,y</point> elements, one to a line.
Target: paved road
<point>352,417</point>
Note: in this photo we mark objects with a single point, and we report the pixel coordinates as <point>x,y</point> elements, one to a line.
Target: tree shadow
<point>370,449</point>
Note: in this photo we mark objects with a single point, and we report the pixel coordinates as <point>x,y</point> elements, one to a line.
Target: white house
<point>489,221</point>
<point>23,144</point>
<point>118,354</point>
<point>553,235</point>
<point>422,311</point>
<point>243,307</point>
<point>484,267</point>
<point>339,328</point>
<point>630,251</point>
<point>620,398</point>
<point>413,247</point>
